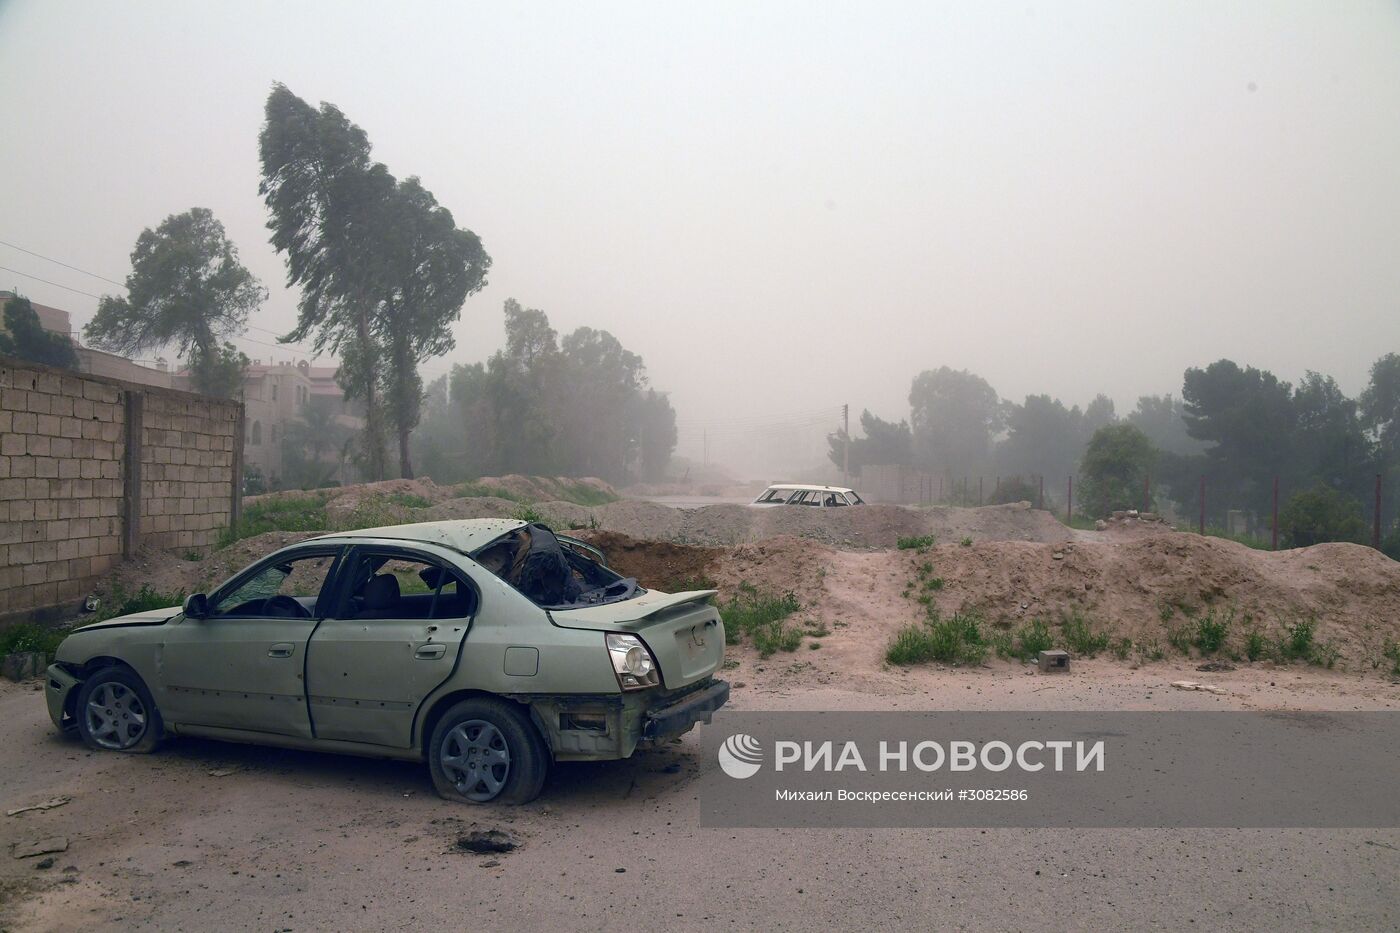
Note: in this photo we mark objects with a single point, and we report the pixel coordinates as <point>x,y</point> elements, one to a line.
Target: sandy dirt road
<point>206,836</point>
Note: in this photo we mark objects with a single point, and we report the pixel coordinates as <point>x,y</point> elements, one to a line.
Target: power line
<point>54,284</point>
<point>60,262</point>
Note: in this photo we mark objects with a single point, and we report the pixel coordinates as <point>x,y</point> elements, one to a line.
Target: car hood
<point>149,617</point>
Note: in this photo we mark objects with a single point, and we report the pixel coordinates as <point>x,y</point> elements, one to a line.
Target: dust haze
<point>781,209</point>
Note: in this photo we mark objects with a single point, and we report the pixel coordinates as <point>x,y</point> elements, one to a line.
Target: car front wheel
<point>115,712</point>
<point>487,751</point>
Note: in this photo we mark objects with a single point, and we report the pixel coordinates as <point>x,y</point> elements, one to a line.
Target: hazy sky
<point>782,207</point>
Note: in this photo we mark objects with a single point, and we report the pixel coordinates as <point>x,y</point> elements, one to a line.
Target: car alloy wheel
<point>116,717</point>
<point>476,759</point>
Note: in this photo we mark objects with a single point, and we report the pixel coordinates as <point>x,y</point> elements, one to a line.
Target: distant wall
<point>91,469</point>
<point>899,485</point>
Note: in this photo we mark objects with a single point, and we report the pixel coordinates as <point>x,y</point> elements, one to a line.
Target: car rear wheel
<point>487,751</point>
<point>115,712</point>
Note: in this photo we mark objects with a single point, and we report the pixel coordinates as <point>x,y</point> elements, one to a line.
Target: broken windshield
<point>551,573</point>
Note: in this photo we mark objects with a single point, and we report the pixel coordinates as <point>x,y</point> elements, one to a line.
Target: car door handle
<point>430,652</point>
<point>281,650</point>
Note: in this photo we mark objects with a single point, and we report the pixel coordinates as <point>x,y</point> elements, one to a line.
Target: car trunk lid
<point>682,630</point>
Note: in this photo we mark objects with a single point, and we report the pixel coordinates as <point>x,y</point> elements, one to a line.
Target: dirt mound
<point>646,520</point>
<point>658,565</point>
<point>171,575</point>
<point>869,526</point>
<point>472,507</point>
<point>549,488</point>
<point>1144,588</point>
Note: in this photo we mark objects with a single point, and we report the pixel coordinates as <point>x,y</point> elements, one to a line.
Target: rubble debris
<point>1192,685</point>
<point>42,846</point>
<point>1215,666</point>
<point>46,805</point>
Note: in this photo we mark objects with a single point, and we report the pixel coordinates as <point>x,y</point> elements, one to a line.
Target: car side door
<point>401,615</point>
<point>242,665</point>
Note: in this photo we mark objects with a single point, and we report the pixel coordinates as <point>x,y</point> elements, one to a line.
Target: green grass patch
<point>481,490</point>
<point>762,618</point>
<point>284,513</point>
<point>527,513</point>
<point>915,542</point>
<point>29,637</point>
<point>1391,652</point>
<point>584,494</point>
<point>1211,632</point>
<point>1180,639</point>
<point>1297,641</point>
<point>1081,638</point>
<point>121,603</point>
<point>1256,646</point>
<point>1034,638</point>
<point>957,640</point>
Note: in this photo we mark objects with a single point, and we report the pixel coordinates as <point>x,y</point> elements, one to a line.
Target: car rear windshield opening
<point>553,574</point>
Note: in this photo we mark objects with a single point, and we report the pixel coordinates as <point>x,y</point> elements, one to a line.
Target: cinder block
<point>1054,661</point>
<point>12,445</point>
<point>22,466</point>
<point>26,422</point>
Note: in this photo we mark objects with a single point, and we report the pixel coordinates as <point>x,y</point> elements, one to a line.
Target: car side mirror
<point>196,606</point>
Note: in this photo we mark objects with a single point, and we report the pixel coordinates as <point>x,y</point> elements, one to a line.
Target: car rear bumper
<point>58,687</point>
<point>680,717</point>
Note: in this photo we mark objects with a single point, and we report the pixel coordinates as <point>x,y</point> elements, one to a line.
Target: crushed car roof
<point>810,486</point>
<point>463,534</point>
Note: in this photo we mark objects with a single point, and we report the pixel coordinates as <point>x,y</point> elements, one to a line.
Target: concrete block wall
<point>93,468</point>
<point>187,463</point>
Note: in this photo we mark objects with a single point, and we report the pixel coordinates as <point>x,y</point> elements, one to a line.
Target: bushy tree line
<point>22,336</point>
<point>577,406</point>
<point>1238,426</point>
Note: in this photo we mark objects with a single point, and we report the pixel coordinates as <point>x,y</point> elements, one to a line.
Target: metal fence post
<point>1042,490</point>
<point>1069,500</point>
<point>1147,492</point>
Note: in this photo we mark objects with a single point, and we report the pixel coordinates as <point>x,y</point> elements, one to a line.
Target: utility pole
<point>846,453</point>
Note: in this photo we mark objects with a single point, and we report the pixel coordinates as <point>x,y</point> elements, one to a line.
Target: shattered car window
<point>551,573</point>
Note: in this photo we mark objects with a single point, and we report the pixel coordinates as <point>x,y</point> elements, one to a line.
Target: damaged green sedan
<point>487,647</point>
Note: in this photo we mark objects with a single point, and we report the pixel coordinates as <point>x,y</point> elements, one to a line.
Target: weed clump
<point>762,617</point>
<point>957,640</point>
<point>1211,632</point>
<point>1081,638</point>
